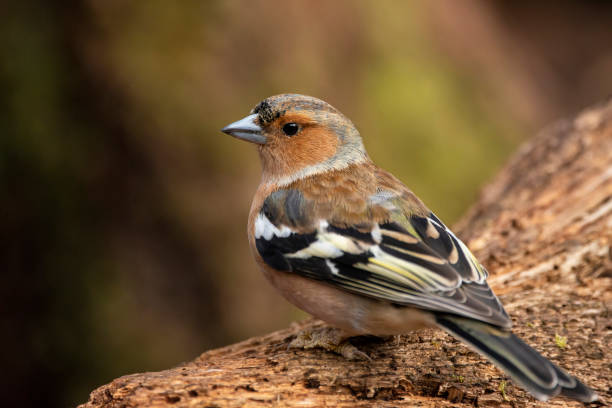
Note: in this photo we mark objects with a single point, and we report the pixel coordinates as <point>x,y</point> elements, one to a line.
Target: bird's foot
<point>330,339</point>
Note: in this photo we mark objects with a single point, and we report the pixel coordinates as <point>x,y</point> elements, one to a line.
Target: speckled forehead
<point>275,106</point>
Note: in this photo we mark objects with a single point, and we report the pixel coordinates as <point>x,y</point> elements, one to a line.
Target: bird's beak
<point>246,129</point>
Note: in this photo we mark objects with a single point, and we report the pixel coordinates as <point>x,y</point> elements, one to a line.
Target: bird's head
<point>298,136</point>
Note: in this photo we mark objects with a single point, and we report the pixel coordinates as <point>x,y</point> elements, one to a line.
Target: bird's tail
<point>523,364</point>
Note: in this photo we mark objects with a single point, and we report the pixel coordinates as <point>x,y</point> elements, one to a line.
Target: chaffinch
<point>348,243</point>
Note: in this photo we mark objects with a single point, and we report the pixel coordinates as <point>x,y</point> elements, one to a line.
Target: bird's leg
<point>328,338</point>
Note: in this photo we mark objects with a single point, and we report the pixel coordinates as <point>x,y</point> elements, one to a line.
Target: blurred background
<point>123,208</point>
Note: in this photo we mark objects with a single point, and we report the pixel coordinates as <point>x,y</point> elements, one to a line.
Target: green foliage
<point>502,389</point>
<point>560,341</point>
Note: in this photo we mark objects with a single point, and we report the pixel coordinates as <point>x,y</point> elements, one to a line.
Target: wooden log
<point>543,228</point>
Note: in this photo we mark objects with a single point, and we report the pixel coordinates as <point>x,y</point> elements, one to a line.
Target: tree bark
<point>543,228</point>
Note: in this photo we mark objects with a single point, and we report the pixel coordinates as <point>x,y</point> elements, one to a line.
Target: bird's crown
<point>276,106</point>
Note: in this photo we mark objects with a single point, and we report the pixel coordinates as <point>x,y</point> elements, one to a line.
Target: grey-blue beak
<point>246,129</point>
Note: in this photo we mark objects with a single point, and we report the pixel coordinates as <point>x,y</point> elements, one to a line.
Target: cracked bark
<point>543,228</point>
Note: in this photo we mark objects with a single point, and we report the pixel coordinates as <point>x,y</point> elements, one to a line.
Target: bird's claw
<point>329,339</point>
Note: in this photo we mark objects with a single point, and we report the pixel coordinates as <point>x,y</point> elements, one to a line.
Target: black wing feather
<point>422,265</point>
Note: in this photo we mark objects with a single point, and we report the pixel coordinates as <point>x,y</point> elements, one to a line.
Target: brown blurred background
<point>123,233</point>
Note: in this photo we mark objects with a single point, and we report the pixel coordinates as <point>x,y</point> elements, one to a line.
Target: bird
<point>350,244</point>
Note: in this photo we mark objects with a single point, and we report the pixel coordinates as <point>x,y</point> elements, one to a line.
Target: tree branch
<point>543,227</point>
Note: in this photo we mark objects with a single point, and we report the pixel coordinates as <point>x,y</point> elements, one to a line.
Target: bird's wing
<point>406,259</point>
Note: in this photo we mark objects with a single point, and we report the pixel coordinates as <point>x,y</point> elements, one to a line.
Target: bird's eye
<point>290,129</point>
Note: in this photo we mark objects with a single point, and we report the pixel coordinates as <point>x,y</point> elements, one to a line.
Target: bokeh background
<point>123,208</point>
